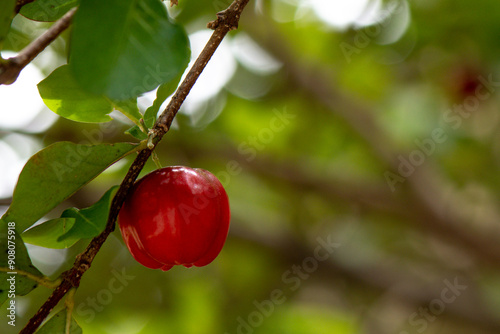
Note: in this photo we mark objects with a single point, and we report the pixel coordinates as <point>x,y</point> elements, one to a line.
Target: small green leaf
<point>55,173</point>
<point>150,115</point>
<point>123,48</point>
<point>162,93</point>
<point>91,221</point>
<point>47,10</point>
<point>129,108</point>
<point>6,15</point>
<point>167,89</point>
<point>47,233</point>
<point>61,94</point>
<point>10,240</point>
<point>57,325</point>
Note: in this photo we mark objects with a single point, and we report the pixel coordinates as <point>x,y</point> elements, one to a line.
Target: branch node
<point>10,70</point>
<point>151,136</point>
<point>228,18</point>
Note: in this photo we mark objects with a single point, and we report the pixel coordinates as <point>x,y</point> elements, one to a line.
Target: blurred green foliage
<point>304,152</point>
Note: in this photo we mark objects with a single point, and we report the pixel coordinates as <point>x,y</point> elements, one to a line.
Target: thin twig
<point>10,70</point>
<point>72,277</point>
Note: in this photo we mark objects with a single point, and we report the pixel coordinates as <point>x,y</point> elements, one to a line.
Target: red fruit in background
<point>175,216</point>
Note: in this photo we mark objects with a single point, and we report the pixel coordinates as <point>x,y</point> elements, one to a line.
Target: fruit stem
<point>156,160</point>
<point>69,303</point>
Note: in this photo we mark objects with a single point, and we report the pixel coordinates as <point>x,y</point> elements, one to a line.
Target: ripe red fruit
<point>175,215</point>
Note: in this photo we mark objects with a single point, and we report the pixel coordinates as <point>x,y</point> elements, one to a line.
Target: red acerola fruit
<point>175,216</point>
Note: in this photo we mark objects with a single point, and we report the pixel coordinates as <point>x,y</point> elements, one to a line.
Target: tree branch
<point>386,279</point>
<point>423,193</point>
<point>72,277</point>
<point>10,70</point>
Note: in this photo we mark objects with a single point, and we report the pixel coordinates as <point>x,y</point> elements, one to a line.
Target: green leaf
<point>123,48</point>
<point>6,15</point>
<point>57,324</point>
<point>73,225</point>
<point>11,240</point>
<point>129,108</point>
<point>136,132</point>
<point>91,221</point>
<point>61,94</point>
<point>47,233</point>
<point>47,10</point>
<point>55,173</point>
<point>150,115</point>
<point>162,93</point>
<point>166,89</point>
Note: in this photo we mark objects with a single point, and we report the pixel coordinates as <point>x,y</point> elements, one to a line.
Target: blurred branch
<point>373,198</point>
<point>424,201</point>
<point>384,280</point>
<point>10,70</point>
<point>72,277</point>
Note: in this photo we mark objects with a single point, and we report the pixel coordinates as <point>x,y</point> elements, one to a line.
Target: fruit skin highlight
<point>175,216</point>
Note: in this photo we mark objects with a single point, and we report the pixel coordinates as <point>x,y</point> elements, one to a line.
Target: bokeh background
<point>359,143</point>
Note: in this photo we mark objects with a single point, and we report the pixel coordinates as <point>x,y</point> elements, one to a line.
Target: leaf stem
<point>44,281</point>
<point>156,160</point>
<point>135,120</point>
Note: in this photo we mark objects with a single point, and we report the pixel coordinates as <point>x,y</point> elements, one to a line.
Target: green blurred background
<point>360,147</point>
